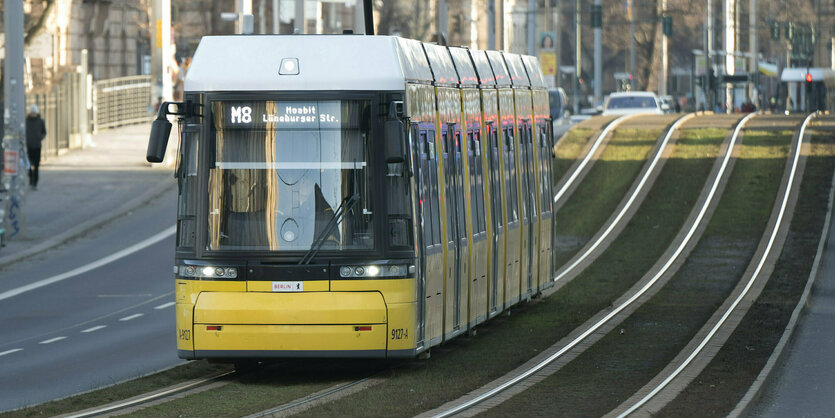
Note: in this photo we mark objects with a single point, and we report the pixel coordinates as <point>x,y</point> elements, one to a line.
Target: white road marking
<point>168,232</point>
<point>165,305</point>
<point>52,340</point>
<point>14,350</point>
<point>96,328</point>
<point>134,316</point>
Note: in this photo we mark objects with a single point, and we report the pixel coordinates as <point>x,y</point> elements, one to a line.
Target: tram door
<point>432,275</point>
<point>496,217</point>
<point>529,202</point>
<point>456,223</point>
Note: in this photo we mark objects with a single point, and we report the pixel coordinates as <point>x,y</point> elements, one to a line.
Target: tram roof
<point>333,62</point>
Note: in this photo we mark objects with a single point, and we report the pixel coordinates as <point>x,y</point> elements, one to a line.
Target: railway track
<point>515,382</point>
<point>487,396</point>
<point>624,211</point>
<point>156,397</point>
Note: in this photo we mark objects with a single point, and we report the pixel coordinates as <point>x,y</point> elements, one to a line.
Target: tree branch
<point>39,25</point>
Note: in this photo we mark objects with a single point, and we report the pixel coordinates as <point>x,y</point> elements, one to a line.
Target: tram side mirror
<point>395,148</point>
<point>160,129</point>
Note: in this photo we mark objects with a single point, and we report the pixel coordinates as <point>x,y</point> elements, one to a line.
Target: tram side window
<point>544,172</point>
<point>448,183</point>
<point>426,191</point>
<point>510,169</point>
<point>460,207</point>
<point>434,191</point>
<point>496,177</point>
<point>524,158</point>
<point>399,206</point>
<point>479,169</point>
<point>187,179</point>
<point>531,168</point>
<point>476,185</point>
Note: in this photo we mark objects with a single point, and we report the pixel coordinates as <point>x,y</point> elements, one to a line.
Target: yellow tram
<point>355,196</point>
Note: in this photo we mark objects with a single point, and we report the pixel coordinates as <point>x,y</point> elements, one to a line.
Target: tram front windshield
<point>283,170</point>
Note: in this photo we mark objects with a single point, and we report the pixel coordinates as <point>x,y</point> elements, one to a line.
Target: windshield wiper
<point>347,204</point>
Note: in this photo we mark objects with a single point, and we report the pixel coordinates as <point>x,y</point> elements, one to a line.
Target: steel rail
<point>648,173</point>
<point>591,330</point>
<point>613,124</point>
<point>748,285</point>
<point>151,396</point>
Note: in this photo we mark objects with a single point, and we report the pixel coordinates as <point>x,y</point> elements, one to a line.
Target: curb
<point>755,391</point>
<point>90,224</point>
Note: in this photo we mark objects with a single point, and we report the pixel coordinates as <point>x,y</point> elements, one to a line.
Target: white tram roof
<point>345,62</point>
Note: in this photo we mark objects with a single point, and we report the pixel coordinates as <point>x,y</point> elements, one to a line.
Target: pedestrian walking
<point>35,132</point>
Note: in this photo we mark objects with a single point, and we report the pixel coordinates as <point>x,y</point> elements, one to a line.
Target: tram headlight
<point>374,270</point>
<point>211,272</point>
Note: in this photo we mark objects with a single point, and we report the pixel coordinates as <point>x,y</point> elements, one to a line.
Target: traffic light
<point>596,16</point>
<point>809,77</point>
<point>667,25</point>
<point>775,30</point>
<point>789,31</point>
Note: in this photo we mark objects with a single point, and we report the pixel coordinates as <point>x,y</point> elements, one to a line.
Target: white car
<point>632,102</point>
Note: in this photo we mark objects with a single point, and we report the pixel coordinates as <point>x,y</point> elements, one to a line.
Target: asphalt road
<point>94,329</point>
<point>803,383</point>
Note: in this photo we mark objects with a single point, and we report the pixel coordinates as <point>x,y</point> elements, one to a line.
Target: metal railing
<point>115,102</point>
<point>62,114</point>
<point>121,101</point>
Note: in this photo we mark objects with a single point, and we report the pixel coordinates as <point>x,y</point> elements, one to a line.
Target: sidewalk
<point>83,189</point>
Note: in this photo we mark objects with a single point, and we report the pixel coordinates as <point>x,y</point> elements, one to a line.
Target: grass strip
<point>602,189</point>
<point>121,391</point>
<point>717,390</point>
<point>569,149</point>
<point>506,342</point>
<point>657,331</point>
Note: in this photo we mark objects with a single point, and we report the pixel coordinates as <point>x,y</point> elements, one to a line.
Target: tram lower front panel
<point>223,320</point>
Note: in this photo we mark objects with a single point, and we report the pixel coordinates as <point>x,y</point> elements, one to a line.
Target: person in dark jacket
<point>35,132</point>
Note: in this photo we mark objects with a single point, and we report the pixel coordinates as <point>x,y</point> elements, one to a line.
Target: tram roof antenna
<point>368,10</point>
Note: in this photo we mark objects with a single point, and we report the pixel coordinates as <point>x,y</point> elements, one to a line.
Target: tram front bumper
<point>313,324</point>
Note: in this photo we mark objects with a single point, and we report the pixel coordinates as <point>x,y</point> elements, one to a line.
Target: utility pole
<point>708,47</point>
<point>359,18</point>
<point>662,89</point>
<point>532,27</point>
<point>491,24</point>
<point>558,41</point>
<point>577,56</point>
<point>161,54</point>
<point>275,16</point>
<point>598,63</point>
<point>754,70</point>
<point>442,20</point>
<point>14,148</point>
<point>299,25</point>
<point>730,51</point>
<point>631,46</point>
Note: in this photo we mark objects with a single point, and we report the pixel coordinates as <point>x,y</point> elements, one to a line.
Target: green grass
<point>192,370</point>
<point>569,149</point>
<point>721,385</point>
<point>654,334</point>
<point>603,188</point>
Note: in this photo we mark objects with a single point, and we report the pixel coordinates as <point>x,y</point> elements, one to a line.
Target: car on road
<point>559,105</point>
<point>627,103</point>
